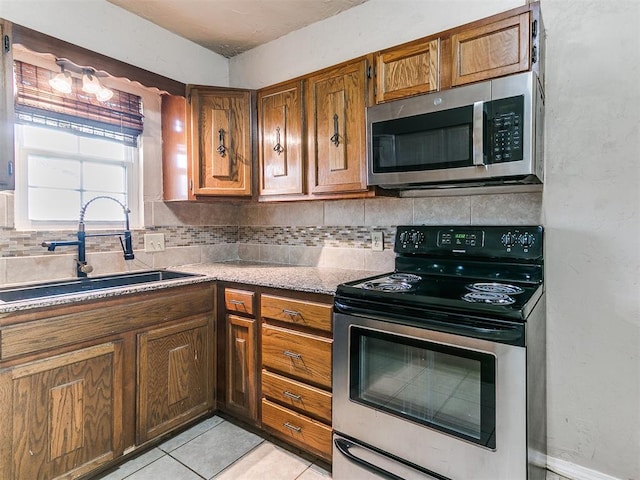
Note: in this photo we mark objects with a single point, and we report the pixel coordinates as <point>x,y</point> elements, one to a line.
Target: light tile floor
<point>217,448</point>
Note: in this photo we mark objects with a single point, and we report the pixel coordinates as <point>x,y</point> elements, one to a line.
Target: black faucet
<point>81,263</point>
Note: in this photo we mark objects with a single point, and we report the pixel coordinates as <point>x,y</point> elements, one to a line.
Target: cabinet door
<point>407,70</point>
<point>336,104</point>
<point>492,50</point>
<point>62,416</point>
<point>175,381</point>
<point>220,133</point>
<point>281,146</point>
<point>7,169</point>
<point>176,170</point>
<point>242,374</point>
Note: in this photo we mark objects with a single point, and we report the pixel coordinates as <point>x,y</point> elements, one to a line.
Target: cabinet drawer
<point>298,396</point>
<point>297,428</point>
<point>301,355</point>
<point>298,312</point>
<point>238,301</point>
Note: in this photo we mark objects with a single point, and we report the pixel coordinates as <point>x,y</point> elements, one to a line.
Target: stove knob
<point>527,239</point>
<point>417,238</point>
<point>508,240</point>
<point>404,237</point>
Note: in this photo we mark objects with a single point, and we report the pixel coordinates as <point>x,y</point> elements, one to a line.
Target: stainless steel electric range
<point>439,366</point>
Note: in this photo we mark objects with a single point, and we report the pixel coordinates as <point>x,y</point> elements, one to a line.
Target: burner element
<point>405,277</point>
<point>493,287</point>
<point>488,297</point>
<point>387,286</point>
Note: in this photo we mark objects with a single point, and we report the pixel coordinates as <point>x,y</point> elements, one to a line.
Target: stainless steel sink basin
<point>80,285</point>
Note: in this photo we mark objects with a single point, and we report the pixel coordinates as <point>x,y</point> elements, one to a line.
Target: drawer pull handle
<point>292,427</point>
<point>236,302</point>
<point>293,396</point>
<point>291,313</point>
<point>292,354</point>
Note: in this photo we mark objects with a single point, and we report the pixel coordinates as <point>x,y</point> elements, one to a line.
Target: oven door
<point>453,405</point>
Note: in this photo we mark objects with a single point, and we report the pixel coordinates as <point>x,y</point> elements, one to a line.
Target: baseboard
<point>575,472</point>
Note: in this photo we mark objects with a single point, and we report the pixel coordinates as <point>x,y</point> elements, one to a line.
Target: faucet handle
<point>84,267</point>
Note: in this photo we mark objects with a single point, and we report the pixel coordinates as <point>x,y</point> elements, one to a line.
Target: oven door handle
<point>343,447</point>
<point>405,471</point>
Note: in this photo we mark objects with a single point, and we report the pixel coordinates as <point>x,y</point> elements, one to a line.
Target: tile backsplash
<point>313,233</point>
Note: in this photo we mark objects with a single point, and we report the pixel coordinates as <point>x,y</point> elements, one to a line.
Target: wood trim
<point>7,155</point>
<point>42,43</point>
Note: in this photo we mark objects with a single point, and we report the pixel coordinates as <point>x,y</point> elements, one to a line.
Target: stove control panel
<point>517,242</point>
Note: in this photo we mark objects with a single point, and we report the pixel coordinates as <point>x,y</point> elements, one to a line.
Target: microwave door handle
<point>478,134</point>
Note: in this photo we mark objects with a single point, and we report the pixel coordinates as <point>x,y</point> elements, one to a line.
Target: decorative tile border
<point>15,243</point>
<point>318,236</point>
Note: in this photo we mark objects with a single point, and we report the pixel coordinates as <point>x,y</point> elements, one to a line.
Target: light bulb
<point>61,82</point>
<point>90,84</point>
<point>104,94</point>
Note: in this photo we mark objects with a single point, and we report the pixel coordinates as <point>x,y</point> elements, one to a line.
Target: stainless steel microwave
<point>481,134</point>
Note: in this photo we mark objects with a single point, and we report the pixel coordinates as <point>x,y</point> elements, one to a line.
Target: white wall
<point>592,215</point>
<point>112,31</point>
<point>591,199</point>
<point>372,26</point>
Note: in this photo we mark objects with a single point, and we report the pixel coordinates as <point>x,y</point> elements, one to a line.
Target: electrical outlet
<point>377,241</point>
<point>154,242</point>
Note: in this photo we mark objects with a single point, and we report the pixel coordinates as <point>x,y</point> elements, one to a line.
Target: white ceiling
<point>230,27</point>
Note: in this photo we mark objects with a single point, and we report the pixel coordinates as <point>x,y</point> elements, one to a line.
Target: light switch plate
<point>154,242</point>
<point>377,241</point>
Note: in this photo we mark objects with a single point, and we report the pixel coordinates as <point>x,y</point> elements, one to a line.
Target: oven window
<point>447,388</point>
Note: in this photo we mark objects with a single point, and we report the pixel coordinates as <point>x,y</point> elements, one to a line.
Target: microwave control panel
<point>504,129</point>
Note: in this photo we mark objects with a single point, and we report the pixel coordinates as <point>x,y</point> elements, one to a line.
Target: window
<point>71,148</point>
<point>62,171</point>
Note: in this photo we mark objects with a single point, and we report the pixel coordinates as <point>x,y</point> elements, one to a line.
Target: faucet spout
<point>81,263</point>
<point>51,246</point>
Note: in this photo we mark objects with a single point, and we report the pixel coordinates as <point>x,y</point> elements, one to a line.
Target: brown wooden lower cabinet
<point>296,395</point>
<point>299,429</point>
<point>81,384</point>
<point>296,347</point>
<point>298,354</point>
<point>62,416</point>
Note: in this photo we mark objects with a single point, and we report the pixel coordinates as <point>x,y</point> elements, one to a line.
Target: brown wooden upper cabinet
<point>280,149</point>
<point>491,47</point>
<point>336,102</point>
<point>220,141</point>
<point>499,48</point>
<point>407,70</point>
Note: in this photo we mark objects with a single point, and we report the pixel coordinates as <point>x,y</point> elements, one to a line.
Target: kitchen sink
<point>81,285</point>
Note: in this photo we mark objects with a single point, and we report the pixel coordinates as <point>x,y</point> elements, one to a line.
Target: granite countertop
<point>304,279</point>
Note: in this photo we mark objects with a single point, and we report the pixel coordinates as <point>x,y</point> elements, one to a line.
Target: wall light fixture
<point>63,82</point>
